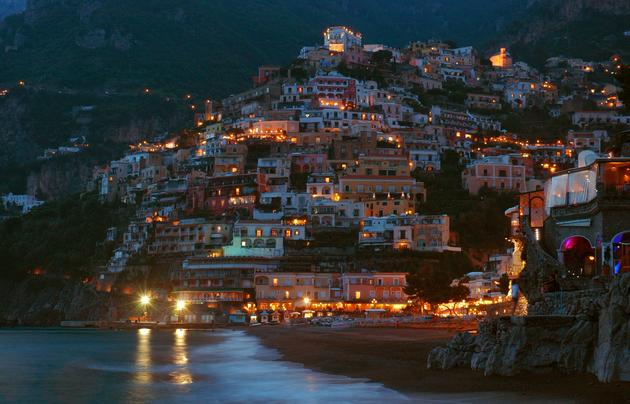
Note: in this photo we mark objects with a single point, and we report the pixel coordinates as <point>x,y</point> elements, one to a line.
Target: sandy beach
<point>397,359</point>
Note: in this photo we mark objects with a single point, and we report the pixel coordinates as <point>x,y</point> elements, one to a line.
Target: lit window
<point>259,232</point>
<point>357,295</point>
<point>287,233</point>
<point>275,281</point>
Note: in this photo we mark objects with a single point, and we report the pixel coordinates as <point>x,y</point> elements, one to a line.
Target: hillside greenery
<point>63,239</point>
<point>213,47</point>
<point>478,219</point>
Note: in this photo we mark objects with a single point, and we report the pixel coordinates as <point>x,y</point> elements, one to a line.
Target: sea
<point>164,366</point>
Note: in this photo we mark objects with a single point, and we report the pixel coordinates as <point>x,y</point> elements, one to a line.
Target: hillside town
<point>269,207</point>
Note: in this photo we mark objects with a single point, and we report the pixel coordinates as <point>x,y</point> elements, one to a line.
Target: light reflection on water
<point>181,375</point>
<point>163,366</point>
<point>143,375</point>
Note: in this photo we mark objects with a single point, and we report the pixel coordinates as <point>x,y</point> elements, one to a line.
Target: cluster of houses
<point>292,166</point>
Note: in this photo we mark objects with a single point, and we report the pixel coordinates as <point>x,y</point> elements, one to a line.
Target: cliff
<point>591,29</point>
<point>47,303</point>
<point>594,337</point>
<point>32,120</point>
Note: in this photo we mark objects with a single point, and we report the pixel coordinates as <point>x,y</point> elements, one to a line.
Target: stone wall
<point>591,334</point>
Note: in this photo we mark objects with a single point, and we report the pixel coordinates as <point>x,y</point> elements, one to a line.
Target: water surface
<point>60,365</point>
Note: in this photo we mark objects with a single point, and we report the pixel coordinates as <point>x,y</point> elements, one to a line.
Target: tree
<point>504,284</point>
<point>623,77</point>
<point>432,284</point>
<point>382,58</point>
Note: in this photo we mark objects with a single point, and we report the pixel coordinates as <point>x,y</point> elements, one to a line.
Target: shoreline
<point>396,358</point>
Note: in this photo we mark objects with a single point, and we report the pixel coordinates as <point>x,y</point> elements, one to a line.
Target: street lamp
<point>180,305</point>
<point>145,301</point>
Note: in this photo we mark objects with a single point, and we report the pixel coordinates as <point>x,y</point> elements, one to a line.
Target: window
<point>502,173</point>
<point>259,232</point>
<point>357,295</point>
<point>274,232</point>
<point>296,232</point>
<point>396,281</point>
<point>287,233</point>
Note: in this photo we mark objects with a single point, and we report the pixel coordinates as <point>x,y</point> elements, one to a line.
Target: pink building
<point>374,287</point>
<point>503,173</point>
<point>309,163</point>
<point>335,87</point>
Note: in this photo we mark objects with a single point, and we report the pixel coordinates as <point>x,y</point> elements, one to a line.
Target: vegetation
<point>212,48</point>
<point>432,284</point>
<point>60,239</point>
<point>478,219</point>
<point>623,77</point>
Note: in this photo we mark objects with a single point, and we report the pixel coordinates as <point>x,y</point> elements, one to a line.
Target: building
<point>502,173</point>
<point>502,59</point>
<point>587,140</point>
<point>374,290</point>
<point>189,236</point>
<point>386,175</point>
<point>24,202</point>
<point>288,290</point>
<point>588,217</point>
<point>264,238</point>
<point>483,101</point>
<point>339,39</point>
<point>425,160</point>
<point>216,285</point>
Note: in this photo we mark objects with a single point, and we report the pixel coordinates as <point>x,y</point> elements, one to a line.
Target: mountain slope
<point>212,46</point>
<point>8,7</point>
<point>590,29</point>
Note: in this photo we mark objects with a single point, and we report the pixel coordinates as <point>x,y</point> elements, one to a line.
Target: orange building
<point>379,175</point>
<point>374,289</point>
<point>501,59</point>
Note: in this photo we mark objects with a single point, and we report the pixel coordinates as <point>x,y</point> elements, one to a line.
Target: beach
<point>396,358</point>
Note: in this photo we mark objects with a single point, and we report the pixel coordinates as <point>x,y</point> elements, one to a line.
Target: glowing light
<point>180,305</point>
<point>145,300</point>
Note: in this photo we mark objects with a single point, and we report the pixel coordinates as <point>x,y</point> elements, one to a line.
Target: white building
<point>339,39</point>
<point>26,202</point>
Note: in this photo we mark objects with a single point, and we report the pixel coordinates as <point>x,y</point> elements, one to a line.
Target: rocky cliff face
<point>33,120</point>
<point>590,29</point>
<point>597,340</point>
<point>45,303</point>
<point>8,7</point>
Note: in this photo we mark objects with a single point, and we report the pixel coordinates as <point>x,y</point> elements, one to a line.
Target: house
<point>483,101</point>
<point>288,290</point>
<point>215,284</point>
<point>587,140</point>
<point>374,289</point>
<point>253,238</point>
<point>588,216</point>
<point>339,38</point>
<point>425,160</point>
<point>502,59</point>
<point>24,202</point>
<point>503,173</point>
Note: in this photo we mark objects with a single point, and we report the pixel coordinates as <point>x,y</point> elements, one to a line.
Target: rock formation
<point>597,340</point>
